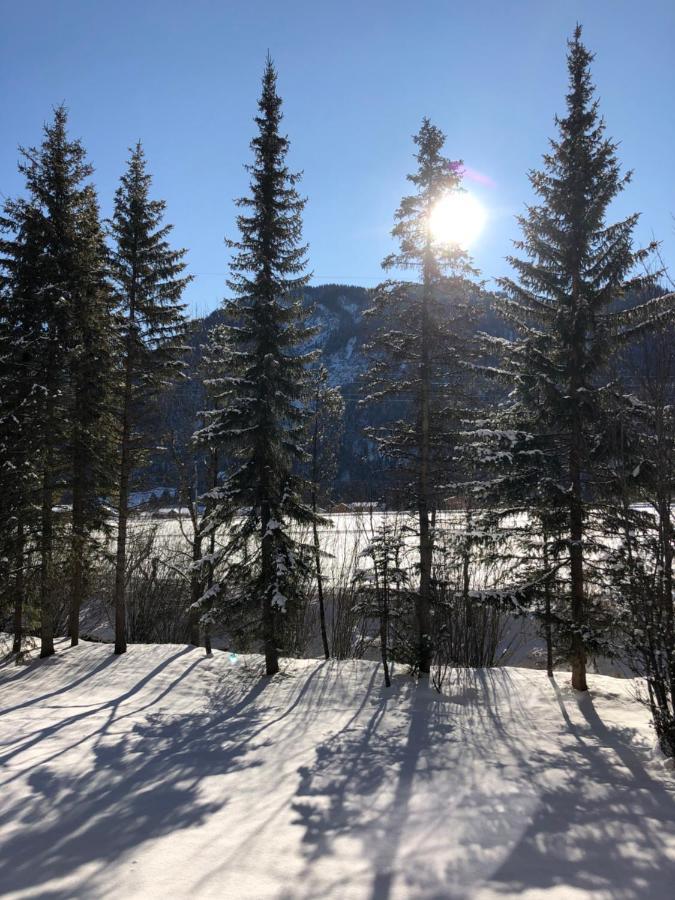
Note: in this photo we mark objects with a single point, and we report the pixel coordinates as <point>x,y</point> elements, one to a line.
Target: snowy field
<point>166,774</point>
<point>343,539</point>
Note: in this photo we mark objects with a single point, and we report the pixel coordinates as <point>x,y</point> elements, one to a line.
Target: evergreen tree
<point>20,410</point>
<point>58,319</point>
<point>91,374</point>
<point>148,284</point>
<point>419,351</point>
<point>562,307</point>
<point>262,417</point>
<point>381,581</point>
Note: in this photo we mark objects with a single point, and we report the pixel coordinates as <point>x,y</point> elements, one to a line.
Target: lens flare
<point>458,218</point>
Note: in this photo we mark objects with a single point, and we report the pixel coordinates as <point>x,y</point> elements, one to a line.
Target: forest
<point>511,449</point>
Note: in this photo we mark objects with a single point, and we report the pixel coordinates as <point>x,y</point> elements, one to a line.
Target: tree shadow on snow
<point>514,804</point>
<point>360,785</point>
<point>603,824</point>
<point>141,783</point>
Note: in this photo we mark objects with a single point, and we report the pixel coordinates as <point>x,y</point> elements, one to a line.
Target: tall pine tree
<point>21,410</point>
<point>262,414</point>
<point>418,354</point>
<point>58,317</point>
<point>148,283</point>
<point>91,372</point>
<point>562,306</point>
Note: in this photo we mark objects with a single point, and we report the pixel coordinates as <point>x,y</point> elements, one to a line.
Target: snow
<point>164,773</point>
<point>343,539</point>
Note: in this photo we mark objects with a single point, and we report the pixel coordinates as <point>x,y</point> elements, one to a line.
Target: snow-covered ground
<point>343,539</point>
<point>164,773</point>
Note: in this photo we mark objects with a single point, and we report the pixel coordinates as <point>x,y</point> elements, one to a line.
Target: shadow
<point>377,753</point>
<point>142,782</point>
<point>90,673</point>
<point>416,742</point>
<point>485,787</point>
<point>506,782</point>
<point>603,824</point>
<point>111,706</point>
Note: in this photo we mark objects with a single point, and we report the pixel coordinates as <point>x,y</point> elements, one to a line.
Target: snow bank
<point>164,773</point>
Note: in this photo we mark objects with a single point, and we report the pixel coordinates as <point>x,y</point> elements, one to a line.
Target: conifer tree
<point>54,265</point>
<point>91,374</point>
<point>148,284</point>
<point>562,306</point>
<point>20,408</point>
<point>419,351</point>
<point>380,581</point>
<point>262,418</point>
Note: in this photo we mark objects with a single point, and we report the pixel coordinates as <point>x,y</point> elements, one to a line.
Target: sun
<point>457,218</point>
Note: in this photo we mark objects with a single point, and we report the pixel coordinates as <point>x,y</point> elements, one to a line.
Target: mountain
<point>342,336</point>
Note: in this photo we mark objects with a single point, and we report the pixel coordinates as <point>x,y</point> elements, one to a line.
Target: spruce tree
<point>418,354</point>
<point>562,307</point>
<point>640,521</point>
<point>262,417</point>
<point>148,284</point>
<point>58,317</point>
<point>91,373</point>
<point>20,412</point>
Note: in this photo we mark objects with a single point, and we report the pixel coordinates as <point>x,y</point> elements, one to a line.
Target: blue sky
<point>356,79</point>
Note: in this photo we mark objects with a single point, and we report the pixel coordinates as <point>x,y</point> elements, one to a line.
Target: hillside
<point>163,773</point>
<point>342,337</point>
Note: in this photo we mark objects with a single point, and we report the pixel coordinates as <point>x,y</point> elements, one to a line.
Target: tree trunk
<point>266,576</point>
<point>212,550</point>
<point>319,589</point>
<point>77,541</point>
<point>576,509</point>
<point>46,574</point>
<point>19,588</point>
<point>578,655</point>
<point>384,630</point>
<point>195,578</point>
<point>194,625</point>
<point>547,613</point>
<point>423,605</point>
<point>122,517</point>
<point>470,637</point>
<point>315,532</point>
<point>209,583</point>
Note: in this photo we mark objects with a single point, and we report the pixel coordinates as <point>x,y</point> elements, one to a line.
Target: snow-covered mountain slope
<point>163,773</point>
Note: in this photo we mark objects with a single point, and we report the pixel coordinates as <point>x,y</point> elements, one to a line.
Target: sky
<point>356,79</point>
